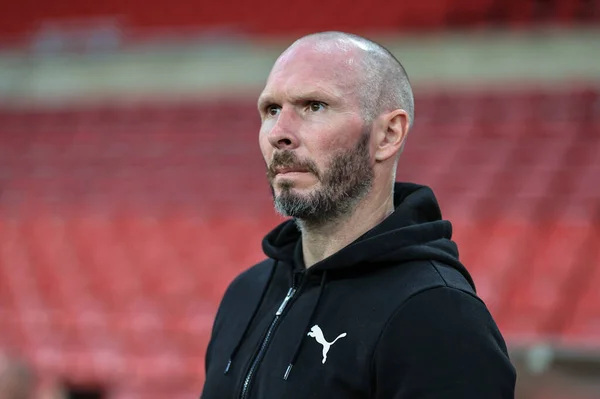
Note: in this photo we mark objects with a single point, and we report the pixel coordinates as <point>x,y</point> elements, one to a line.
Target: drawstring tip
<point>287,371</point>
<point>227,368</point>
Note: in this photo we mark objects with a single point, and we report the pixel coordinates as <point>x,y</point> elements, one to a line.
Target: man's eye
<point>273,110</point>
<point>316,106</point>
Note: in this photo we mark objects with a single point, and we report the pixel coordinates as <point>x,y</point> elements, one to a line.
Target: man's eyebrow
<point>302,96</point>
<point>264,99</point>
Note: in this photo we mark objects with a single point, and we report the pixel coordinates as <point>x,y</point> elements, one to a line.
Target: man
<point>362,294</point>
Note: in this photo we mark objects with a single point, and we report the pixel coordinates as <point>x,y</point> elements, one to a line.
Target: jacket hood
<point>415,231</point>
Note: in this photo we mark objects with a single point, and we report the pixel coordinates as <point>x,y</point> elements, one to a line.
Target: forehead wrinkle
<point>331,67</point>
<point>293,90</point>
<point>316,92</point>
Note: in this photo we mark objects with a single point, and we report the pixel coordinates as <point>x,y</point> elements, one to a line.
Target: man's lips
<point>281,171</point>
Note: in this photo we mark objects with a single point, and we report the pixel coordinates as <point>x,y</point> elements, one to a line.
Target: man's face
<point>313,137</point>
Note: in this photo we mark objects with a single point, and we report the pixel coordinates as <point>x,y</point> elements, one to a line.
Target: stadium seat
<point>582,323</point>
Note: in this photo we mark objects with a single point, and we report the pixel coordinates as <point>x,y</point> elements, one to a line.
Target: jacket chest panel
<point>331,363</point>
<point>335,353</point>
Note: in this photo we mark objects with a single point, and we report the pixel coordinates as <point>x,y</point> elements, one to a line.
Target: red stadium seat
<point>543,285</point>
<point>582,326</point>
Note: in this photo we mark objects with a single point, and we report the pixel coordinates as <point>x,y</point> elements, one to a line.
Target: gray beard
<point>347,181</point>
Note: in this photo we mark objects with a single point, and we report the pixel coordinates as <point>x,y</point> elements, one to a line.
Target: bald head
<point>380,79</point>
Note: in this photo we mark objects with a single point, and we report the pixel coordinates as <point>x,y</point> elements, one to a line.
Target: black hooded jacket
<point>392,315</point>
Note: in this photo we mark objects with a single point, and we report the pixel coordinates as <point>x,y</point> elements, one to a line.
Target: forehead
<point>314,68</point>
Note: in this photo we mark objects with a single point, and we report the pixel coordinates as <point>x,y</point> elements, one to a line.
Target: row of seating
<point>134,299</point>
<point>458,107</point>
<point>472,180</point>
<point>236,16</point>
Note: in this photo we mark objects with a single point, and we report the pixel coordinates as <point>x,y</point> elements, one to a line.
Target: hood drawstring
<point>260,301</point>
<point>308,326</point>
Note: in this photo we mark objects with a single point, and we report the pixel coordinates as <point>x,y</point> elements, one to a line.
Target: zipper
<point>263,348</point>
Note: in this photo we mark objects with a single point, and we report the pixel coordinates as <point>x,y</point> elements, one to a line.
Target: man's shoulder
<point>257,271</point>
<point>423,275</point>
<point>452,277</point>
<point>245,286</point>
<point>251,278</point>
<point>440,296</point>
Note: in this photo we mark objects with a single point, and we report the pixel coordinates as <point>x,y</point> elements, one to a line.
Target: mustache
<point>288,159</point>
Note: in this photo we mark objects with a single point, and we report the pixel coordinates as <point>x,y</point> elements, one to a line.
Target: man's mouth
<point>281,171</point>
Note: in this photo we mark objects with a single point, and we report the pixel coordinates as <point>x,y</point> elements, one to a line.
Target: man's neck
<point>320,242</point>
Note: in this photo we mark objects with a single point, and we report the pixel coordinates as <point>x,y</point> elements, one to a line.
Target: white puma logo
<point>317,334</point>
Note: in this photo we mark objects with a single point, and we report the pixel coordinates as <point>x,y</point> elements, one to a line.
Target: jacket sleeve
<point>442,344</point>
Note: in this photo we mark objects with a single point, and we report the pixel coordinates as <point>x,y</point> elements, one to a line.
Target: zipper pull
<point>287,298</point>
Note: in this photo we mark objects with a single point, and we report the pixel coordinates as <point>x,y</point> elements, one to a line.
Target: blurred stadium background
<point>132,189</point>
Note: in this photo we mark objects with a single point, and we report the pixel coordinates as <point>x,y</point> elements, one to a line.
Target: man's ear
<point>393,129</point>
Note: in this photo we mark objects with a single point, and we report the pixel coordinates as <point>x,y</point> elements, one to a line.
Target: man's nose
<point>282,136</point>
